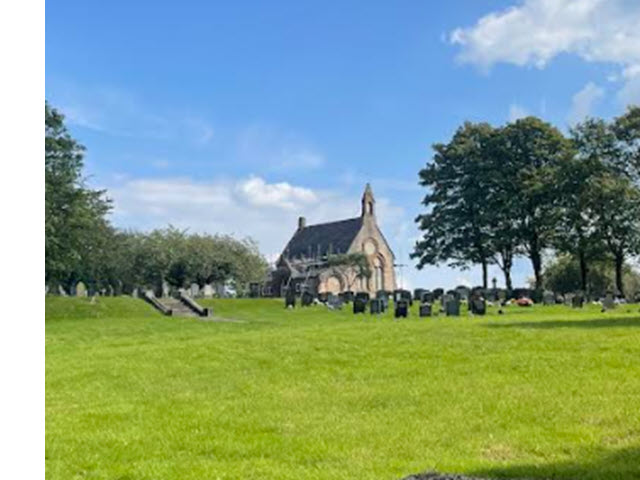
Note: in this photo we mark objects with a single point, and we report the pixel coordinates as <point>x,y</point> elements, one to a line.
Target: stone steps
<point>178,308</point>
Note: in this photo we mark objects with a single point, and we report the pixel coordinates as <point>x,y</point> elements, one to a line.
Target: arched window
<point>378,274</point>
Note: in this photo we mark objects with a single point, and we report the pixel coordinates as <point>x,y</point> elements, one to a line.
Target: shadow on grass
<point>549,324</point>
<point>607,464</point>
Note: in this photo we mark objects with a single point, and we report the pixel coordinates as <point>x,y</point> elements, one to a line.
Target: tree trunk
<point>583,272</point>
<point>619,261</point>
<point>485,274</point>
<point>536,263</point>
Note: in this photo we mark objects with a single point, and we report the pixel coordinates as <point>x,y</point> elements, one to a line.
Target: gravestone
<point>463,292</point>
<point>347,296</point>
<point>478,306</point>
<point>452,306</point>
<point>406,296</point>
<point>290,299</point>
<point>208,291</point>
<point>166,290</point>
<point>437,293</point>
<point>548,298</point>
<point>577,301</point>
<point>194,290</point>
<point>425,309</point>
<point>376,307</point>
<point>608,303</point>
<point>306,299</point>
<point>81,290</point>
<point>363,296</point>
<point>383,296</point>
<point>254,290</point>
<point>110,290</point>
<point>334,302</point>
<point>323,297</point>
<point>401,308</point>
<point>417,294</point>
<point>134,293</point>
<point>427,297</point>
<point>359,305</point>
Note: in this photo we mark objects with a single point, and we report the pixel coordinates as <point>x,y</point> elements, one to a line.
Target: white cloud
<point>536,31</point>
<point>583,102</point>
<point>282,195</point>
<point>516,111</point>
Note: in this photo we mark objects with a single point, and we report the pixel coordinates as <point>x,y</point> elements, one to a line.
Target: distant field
<point>313,394</point>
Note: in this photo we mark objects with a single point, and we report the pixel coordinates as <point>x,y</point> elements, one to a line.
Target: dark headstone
<point>306,299</point>
<point>362,296</point>
<point>401,308</point>
<point>437,293</point>
<point>417,294</point>
<point>254,290</point>
<point>323,297</point>
<point>290,299</point>
<point>452,307</point>
<point>376,306</point>
<point>426,297</point>
<point>403,295</point>
<point>334,302</point>
<point>359,305</point>
<point>347,296</point>
<point>425,310</point>
<point>478,306</point>
<point>577,301</point>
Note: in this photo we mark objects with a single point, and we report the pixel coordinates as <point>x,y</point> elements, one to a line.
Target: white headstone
<point>81,290</point>
<point>208,291</point>
<point>194,290</point>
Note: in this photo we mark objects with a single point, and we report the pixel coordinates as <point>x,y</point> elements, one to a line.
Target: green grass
<point>540,392</point>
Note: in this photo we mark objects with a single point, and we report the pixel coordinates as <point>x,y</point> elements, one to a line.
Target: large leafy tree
<point>617,217</point>
<point>579,179</point>
<point>626,129</point>
<point>74,214</point>
<point>455,226</point>
<point>530,153</point>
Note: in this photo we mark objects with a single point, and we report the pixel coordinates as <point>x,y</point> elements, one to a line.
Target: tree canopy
<point>494,193</point>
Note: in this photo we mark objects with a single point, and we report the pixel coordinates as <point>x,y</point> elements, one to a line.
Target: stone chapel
<point>303,264</point>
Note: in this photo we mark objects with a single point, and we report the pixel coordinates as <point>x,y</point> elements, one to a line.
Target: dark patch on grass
<point>603,464</point>
<point>549,324</point>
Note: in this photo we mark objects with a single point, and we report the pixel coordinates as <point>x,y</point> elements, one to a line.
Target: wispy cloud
<point>583,102</point>
<point>276,149</point>
<point>517,111</point>
<point>118,112</point>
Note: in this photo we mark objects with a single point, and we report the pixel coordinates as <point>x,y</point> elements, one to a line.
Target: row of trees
<point>81,244</point>
<point>525,189</point>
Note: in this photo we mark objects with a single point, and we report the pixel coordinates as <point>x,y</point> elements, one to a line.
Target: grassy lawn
<point>540,392</point>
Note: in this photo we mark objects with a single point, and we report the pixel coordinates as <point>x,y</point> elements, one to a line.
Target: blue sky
<point>237,117</point>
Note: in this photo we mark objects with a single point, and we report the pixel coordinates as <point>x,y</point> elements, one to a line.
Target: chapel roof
<point>315,241</point>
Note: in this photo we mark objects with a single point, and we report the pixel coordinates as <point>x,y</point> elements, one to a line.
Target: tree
<point>617,218</point>
<point>576,231</point>
<point>350,266</point>
<point>75,216</point>
<point>530,153</point>
<point>455,226</point>
<point>626,129</point>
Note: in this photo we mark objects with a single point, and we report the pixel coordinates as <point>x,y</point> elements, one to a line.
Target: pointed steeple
<point>368,202</point>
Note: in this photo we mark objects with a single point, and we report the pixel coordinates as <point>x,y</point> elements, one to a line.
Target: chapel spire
<point>368,202</point>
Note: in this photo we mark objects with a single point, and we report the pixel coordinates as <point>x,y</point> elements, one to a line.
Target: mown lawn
<point>546,392</point>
